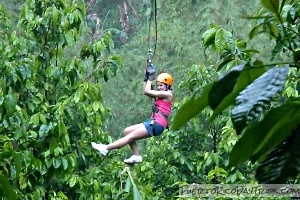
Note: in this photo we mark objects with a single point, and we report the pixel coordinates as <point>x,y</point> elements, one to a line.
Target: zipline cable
<point>153,14</point>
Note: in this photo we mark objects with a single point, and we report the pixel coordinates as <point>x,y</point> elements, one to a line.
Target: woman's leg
<point>138,132</point>
<point>133,144</point>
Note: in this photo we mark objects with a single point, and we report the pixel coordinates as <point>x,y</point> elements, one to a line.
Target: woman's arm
<point>144,85</point>
<point>154,93</point>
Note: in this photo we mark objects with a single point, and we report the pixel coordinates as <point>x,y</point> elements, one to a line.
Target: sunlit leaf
<point>251,51</point>
<point>254,32</point>
<point>62,129</point>
<point>136,193</point>
<point>44,129</point>
<point>65,163</point>
<point>274,31</point>
<point>271,5</point>
<point>128,185</point>
<point>10,105</point>
<point>245,78</point>
<point>223,86</point>
<point>72,181</point>
<point>43,119</point>
<point>208,37</point>
<point>221,42</point>
<point>191,108</point>
<point>35,119</point>
<point>56,162</point>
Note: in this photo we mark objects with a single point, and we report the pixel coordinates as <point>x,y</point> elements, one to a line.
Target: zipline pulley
<point>149,57</point>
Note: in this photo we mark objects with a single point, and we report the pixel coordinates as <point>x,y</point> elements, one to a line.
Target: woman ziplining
<point>161,109</point>
<point>155,125</point>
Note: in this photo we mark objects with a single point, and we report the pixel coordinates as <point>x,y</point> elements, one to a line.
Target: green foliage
<point>51,106</point>
<point>279,20</point>
<point>246,76</point>
<point>217,92</point>
<point>6,189</point>
<point>220,95</point>
<point>191,108</point>
<point>263,123</point>
<point>269,134</point>
<point>56,87</point>
<point>130,185</point>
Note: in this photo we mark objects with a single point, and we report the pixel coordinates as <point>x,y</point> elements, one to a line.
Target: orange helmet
<point>165,78</point>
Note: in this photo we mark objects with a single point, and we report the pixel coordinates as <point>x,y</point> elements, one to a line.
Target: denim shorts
<point>158,129</point>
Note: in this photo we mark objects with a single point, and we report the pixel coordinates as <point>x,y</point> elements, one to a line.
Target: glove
<point>151,72</point>
<point>146,77</point>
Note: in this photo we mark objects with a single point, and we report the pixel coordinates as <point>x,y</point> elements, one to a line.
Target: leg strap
<point>152,124</point>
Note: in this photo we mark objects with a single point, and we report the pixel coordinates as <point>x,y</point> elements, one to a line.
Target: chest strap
<point>156,110</point>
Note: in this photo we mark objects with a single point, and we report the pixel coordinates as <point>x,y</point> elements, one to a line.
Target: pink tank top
<point>165,107</point>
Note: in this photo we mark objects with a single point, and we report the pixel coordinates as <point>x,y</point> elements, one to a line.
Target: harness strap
<point>152,124</point>
<point>156,110</point>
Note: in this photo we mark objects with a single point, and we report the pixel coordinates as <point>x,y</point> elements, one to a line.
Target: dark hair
<point>169,87</point>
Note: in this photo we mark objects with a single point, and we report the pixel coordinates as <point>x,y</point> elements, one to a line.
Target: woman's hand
<point>151,72</point>
<point>146,76</point>
<point>156,94</point>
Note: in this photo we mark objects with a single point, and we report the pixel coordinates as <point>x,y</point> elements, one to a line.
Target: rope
<point>149,29</point>
<point>150,54</point>
<point>153,14</point>
<point>155,21</point>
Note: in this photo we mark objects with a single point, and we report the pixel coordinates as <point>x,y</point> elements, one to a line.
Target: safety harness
<point>152,122</point>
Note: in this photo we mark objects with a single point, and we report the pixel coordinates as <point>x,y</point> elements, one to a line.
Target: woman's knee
<point>130,129</point>
<point>127,131</point>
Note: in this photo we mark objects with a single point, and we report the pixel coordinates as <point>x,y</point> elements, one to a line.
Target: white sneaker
<point>100,147</point>
<point>134,159</point>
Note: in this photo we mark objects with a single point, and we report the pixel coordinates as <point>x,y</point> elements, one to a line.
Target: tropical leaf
<point>271,5</point>
<point>10,105</point>
<point>221,41</point>
<point>274,31</point>
<point>279,131</point>
<point>277,49</point>
<point>6,189</point>
<point>254,32</point>
<point>223,62</point>
<point>136,193</point>
<point>17,162</point>
<point>224,86</point>
<point>251,102</point>
<point>191,108</point>
<point>246,77</point>
<point>282,163</point>
<point>128,185</point>
<point>251,51</point>
<point>208,36</point>
<point>255,134</point>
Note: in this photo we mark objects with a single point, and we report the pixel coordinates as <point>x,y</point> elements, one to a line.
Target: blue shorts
<point>159,129</point>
